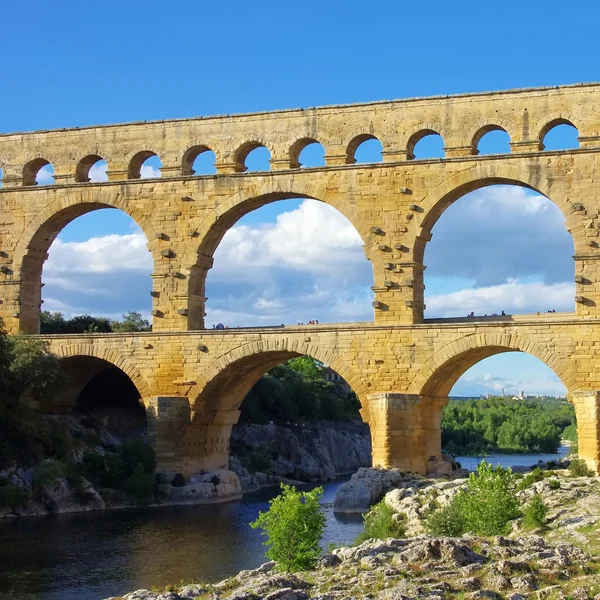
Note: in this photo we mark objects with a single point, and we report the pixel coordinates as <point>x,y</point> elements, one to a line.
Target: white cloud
<point>149,172</point>
<point>513,297</point>
<point>45,175</point>
<point>97,172</point>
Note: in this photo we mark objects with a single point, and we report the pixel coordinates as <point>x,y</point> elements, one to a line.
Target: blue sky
<point>74,64</point>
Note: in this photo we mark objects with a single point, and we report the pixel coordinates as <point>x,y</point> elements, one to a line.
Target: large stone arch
<point>438,374</point>
<point>212,227</point>
<point>33,243</point>
<point>259,357</point>
<point>108,356</point>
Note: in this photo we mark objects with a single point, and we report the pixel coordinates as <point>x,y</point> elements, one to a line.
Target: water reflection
<point>96,555</point>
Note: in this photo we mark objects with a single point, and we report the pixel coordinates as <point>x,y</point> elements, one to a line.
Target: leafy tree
<point>448,520</point>
<point>578,468</point>
<point>27,365</point>
<point>293,526</point>
<point>307,366</point>
<point>132,321</point>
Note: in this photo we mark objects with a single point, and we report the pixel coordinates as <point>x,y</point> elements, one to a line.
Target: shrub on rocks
<point>485,507</point>
<point>535,512</point>
<point>293,526</point>
<point>578,468</point>
<point>381,523</point>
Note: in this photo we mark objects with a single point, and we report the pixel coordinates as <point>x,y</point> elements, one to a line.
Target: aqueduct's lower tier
<point>192,383</point>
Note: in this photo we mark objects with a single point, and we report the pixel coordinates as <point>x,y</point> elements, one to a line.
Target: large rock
<point>365,488</point>
<point>209,487</point>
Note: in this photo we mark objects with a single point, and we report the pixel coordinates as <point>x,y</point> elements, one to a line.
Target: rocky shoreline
<point>558,561</point>
<point>262,456</point>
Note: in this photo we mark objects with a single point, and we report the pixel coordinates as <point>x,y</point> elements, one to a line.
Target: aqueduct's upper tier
<point>526,114</point>
<point>393,204</point>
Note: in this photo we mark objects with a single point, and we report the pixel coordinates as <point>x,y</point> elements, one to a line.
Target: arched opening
<point>92,168</point>
<point>98,267</point>
<point>365,148</point>
<point>145,165</point>
<point>283,260</point>
<point>501,403</point>
<point>286,400</point>
<point>498,250</point>
<point>199,160</point>
<point>559,134</point>
<point>425,144</point>
<point>1,177</point>
<point>38,172</point>
<point>307,152</point>
<point>491,139</point>
<point>253,156</point>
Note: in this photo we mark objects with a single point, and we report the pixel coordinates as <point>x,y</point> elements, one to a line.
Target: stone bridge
<point>402,367</point>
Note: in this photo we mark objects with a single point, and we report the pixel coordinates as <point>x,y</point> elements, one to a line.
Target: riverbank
<point>559,560</point>
<point>104,462</point>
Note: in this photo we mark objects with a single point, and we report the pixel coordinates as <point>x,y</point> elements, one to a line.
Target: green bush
<point>578,468</point>
<point>536,475</point>
<point>13,495</point>
<point>259,459</point>
<point>48,473</point>
<point>379,524</point>
<point>293,526</point>
<point>137,453</point>
<point>535,513</point>
<point>447,521</point>
<point>178,480</point>
<point>554,484</point>
<point>139,486</point>
<point>484,508</point>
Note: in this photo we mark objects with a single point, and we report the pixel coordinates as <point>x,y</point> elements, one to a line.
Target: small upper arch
<point>32,169</point>
<point>483,130</point>
<point>241,154</point>
<point>422,131</point>
<point>356,142</point>
<point>297,148</point>
<point>558,121</point>
<point>190,156</point>
<point>134,170</point>
<point>82,170</point>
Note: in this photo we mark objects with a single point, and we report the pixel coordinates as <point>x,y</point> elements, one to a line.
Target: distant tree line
<point>297,391</point>
<point>55,322</point>
<point>506,425</point>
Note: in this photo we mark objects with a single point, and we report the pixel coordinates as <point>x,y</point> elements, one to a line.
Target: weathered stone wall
<point>401,366</point>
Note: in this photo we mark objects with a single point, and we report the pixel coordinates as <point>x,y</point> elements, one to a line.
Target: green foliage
<point>179,480</point>
<point>578,468</point>
<point>533,477</point>
<point>554,484</point>
<point>379,524</point>
<point>139,486</point>
<point>296,390</point>
<point>293,526</point>
<point>26,439</point>
<point>484,508</point>
<point>505,425</point>
<point>13,495</point>
<point>447,521</point>
<point>535,513</point>
<point>132,321</point>
<point>570,433</point>
<point>27,365</point>
<point>55,322</point>
<point>48,473</point>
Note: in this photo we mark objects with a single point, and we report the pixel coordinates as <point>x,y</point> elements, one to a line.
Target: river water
<point>96,555</point>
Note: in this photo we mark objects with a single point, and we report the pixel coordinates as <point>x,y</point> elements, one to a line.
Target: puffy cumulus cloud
<point>307,265</point>
<point>149,172</point>
<point>104,254</point>
<point>512,297</point>
<point>501,232</point>
<point>97,172</point>
<point>103,276</point>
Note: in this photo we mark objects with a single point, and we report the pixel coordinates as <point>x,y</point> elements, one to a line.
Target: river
<point>91,556</point>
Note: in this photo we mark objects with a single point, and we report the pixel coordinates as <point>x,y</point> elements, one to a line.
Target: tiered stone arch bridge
<point>402,366</point>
